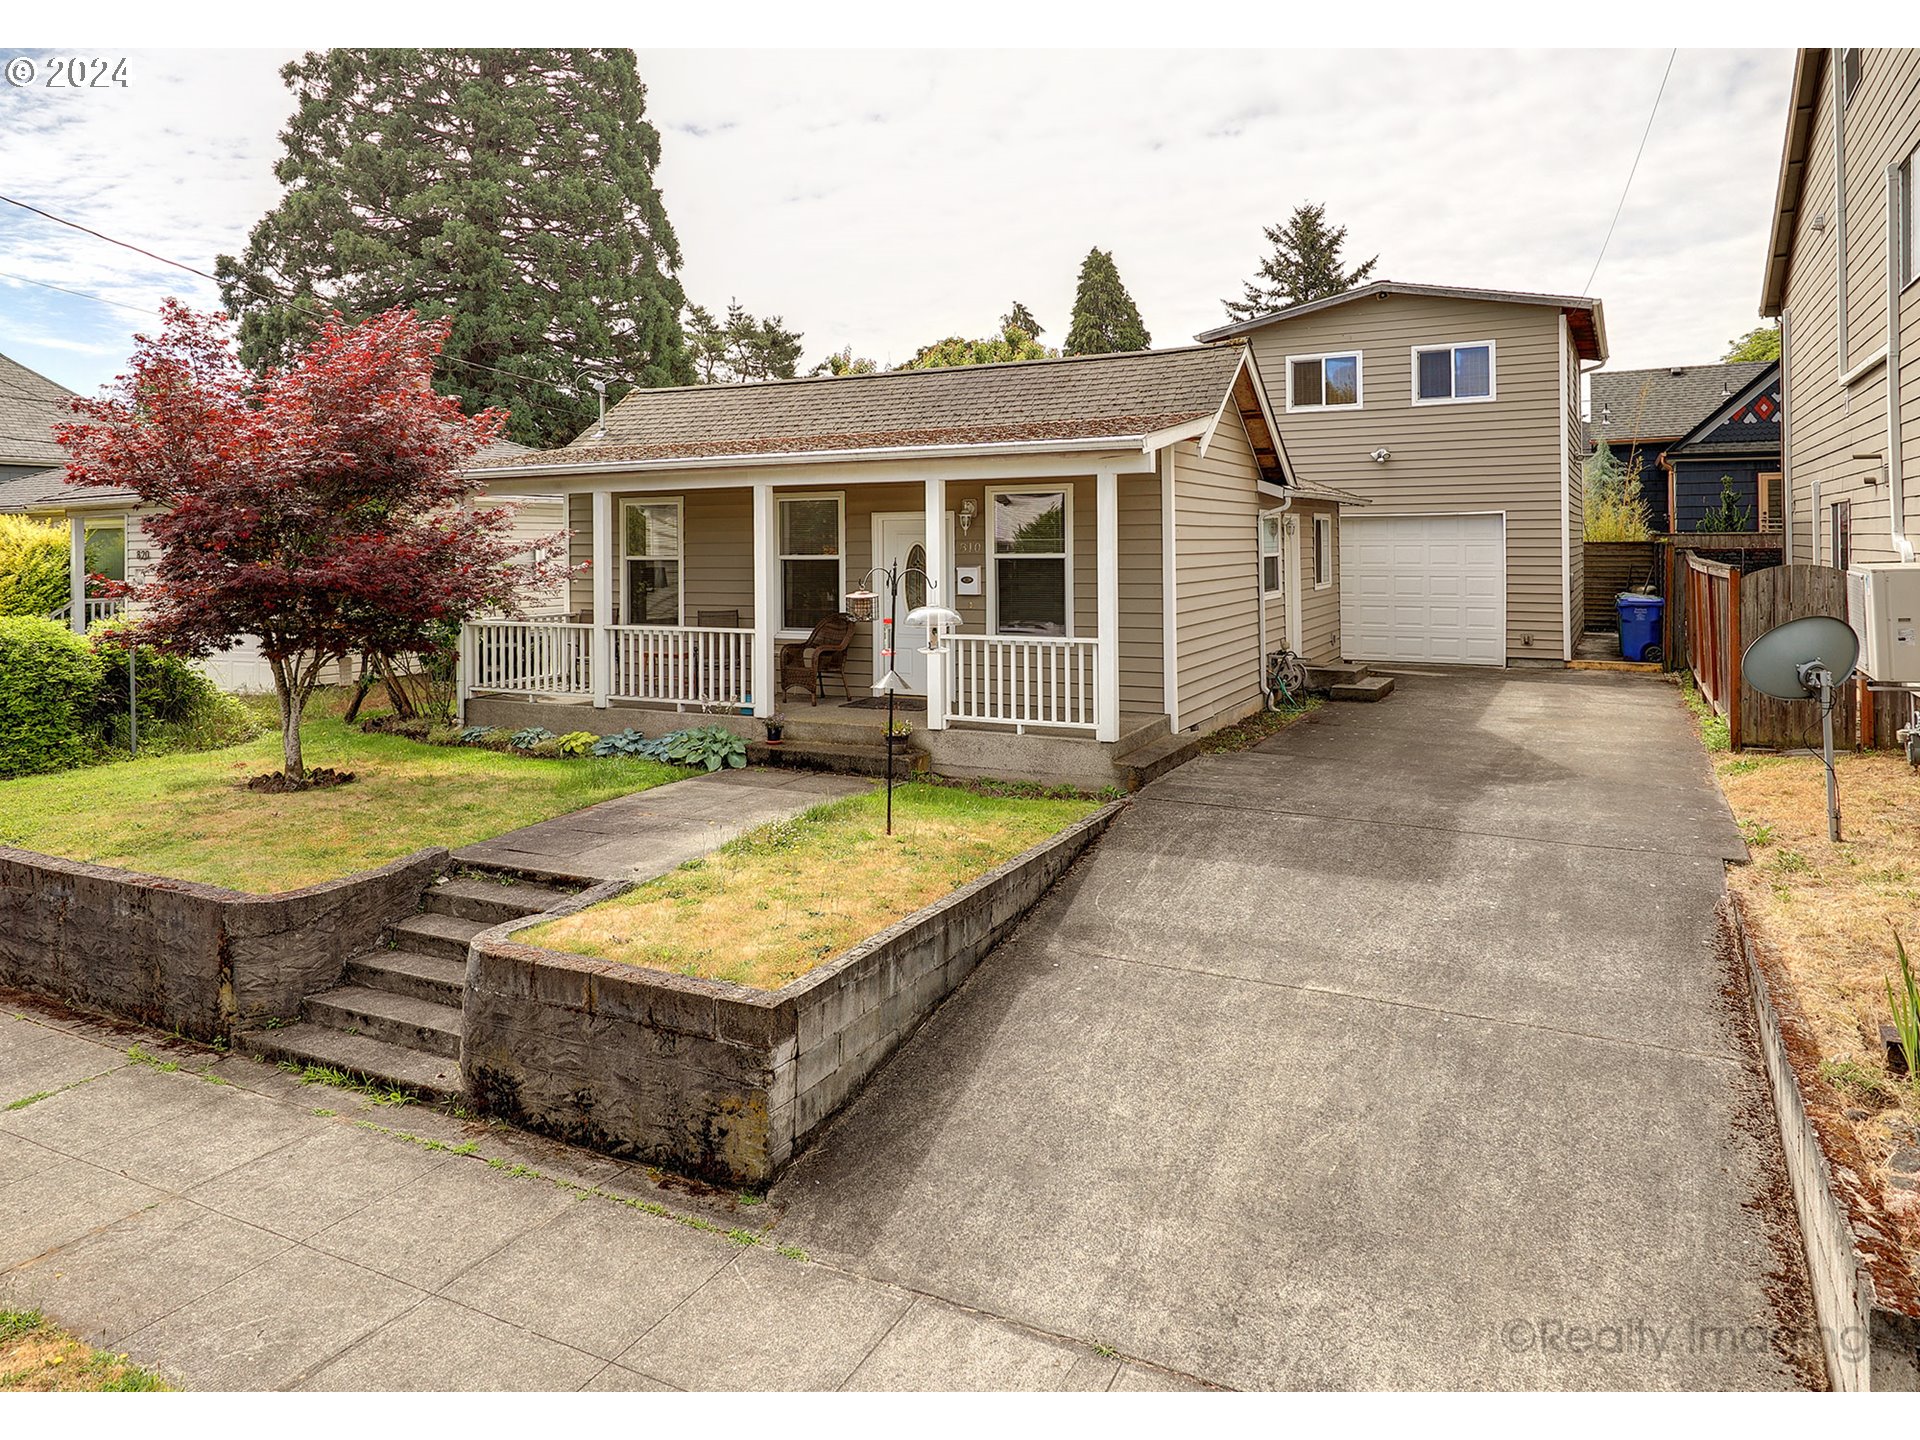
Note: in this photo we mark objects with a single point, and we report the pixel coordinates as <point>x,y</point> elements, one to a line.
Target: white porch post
<point>766,596</point>
<point>1106,543</point>
<point>600,641</point>
<point>77,575</point>
<point>940,566</point>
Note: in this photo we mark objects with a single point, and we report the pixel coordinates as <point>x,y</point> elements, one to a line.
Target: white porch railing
<point>680,664</point>
<point>1022,680</point>
<point>96,610</point>
<point>527,657</point>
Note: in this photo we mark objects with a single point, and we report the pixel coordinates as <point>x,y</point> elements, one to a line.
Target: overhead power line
<point>77,294</point>
<point>1631,170</point>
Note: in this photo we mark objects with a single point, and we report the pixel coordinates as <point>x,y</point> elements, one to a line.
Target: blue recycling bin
<point>1639,624</point>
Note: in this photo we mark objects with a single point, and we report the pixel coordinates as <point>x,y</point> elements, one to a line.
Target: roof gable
<point>1749,418</point>
<point>1625,406</point>
<point>1584,315</point>
<point>30,406</point>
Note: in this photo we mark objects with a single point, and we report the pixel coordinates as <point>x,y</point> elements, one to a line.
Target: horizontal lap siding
<point>1215,517</point>
<point>1828,424</point>
<point>1574,462</point>
<point>1505,454</point>
<point>1319,609</point>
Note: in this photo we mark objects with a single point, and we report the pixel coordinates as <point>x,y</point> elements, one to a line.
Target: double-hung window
<point>1270,552</point>
<point>1322,551</point>
<point>1445,374</point>
<point>1323,382</point>
<point>813,533</point>
<point>650,557</point>
<point>1910,219</point>
<point>1031,591</point>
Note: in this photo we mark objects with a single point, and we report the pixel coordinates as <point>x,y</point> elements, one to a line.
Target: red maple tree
<point>320,508</point>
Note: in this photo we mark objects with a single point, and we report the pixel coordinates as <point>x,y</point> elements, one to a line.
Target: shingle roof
<point>1583,312</point>
<point>38,491</point>
<point>1663,404</point>
<point>1085,397</point>
<point>30,406</point>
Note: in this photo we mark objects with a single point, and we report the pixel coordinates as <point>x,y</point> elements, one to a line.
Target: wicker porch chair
<point>807,663</point>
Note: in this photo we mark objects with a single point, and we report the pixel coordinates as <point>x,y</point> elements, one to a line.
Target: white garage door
<point>1424,587</point>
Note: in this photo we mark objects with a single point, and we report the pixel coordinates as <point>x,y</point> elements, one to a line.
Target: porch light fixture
<point>860,604</point>
<point>969,507</point>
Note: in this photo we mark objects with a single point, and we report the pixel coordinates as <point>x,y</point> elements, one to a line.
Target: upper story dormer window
<point>1444,374</point>
<point>1324,382</point>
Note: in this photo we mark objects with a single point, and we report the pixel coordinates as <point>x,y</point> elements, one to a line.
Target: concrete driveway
<point>1393,1053</point>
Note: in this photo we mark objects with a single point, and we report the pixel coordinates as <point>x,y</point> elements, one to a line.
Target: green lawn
<point>188,816</point>
<point>777,902</point>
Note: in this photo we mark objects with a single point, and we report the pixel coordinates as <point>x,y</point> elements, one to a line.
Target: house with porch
<point>1119,539</point>
<point>1678,429</point>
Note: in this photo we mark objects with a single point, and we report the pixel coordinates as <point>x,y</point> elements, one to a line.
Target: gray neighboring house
<point>1641,414</point>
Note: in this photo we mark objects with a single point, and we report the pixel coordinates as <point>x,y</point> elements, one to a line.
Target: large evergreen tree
<point>508,191</point>
<point>1105,319</point>
<point>1305,265</point>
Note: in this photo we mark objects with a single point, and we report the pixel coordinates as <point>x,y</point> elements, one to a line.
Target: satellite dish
<point>1782,662</point>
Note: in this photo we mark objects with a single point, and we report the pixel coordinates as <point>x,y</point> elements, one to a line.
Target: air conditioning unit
<point>1883,606</point>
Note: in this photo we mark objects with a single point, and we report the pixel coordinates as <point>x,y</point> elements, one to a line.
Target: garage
<point>1424,587</point>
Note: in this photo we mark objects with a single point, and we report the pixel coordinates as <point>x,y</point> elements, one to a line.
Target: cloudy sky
<point>884,200</point>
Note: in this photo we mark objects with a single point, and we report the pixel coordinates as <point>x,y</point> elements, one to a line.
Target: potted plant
<point>899,731</point>
<point>776,728</point>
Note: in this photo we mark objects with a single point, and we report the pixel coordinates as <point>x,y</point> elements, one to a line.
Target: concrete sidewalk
<point>640,836</point>
<point>237,1230</point>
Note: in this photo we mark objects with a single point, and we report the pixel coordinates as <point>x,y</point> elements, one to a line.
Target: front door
<point>902,539</point>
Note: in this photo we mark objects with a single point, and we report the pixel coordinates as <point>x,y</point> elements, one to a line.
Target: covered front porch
<point>696,591</point>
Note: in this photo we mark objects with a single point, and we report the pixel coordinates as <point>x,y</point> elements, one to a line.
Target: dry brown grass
<point>774,904</point>
<point>38,1356</point>
<point>1828,912</point>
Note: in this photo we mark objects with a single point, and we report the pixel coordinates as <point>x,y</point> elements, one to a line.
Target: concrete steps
<point>396,1018</point>
<point>1367,689</point>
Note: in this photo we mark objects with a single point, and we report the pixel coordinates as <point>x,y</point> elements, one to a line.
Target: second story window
<point>1445,373</point>
<point>1323,382</point>
<point>1849,74</point>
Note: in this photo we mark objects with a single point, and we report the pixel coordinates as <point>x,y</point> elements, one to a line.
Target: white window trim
<point>1493,372</point>
<point>1323,534</point>
<point>1359,378</point>
<point>1270,529</point>
<point>1909,217</point>
<point>679,503</point>
<point>1064,487</point>
<point>782,630</point>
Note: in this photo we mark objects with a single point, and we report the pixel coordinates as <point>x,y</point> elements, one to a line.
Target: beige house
<point>1455,414</point>
<point>1841,265</point>
<point>1121,538</point>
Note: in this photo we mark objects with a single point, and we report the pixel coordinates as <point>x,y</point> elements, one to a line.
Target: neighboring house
<point>1642,414</point>
<point>1737,445</point>
<point>30,406</point>
<point>1121,535</point>
<point>1455,414</point>
<point>107,524</point>
<point>1843,256</point>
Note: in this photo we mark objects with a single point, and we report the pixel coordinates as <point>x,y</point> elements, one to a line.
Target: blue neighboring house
<point>1737,445</point>
<point>1727,416</point>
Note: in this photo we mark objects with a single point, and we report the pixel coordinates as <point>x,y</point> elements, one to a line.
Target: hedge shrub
<point>180,708</point>
<point>49,684</point>
<point>33,567</point>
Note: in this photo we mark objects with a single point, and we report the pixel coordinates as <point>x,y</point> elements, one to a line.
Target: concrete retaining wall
<point>716,1079</point>
<point>181,956</point>
<point>1863,1290</point>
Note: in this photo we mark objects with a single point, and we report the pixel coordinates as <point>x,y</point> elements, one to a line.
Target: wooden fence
<point>1722,610</point>
<point>1612,566</point>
